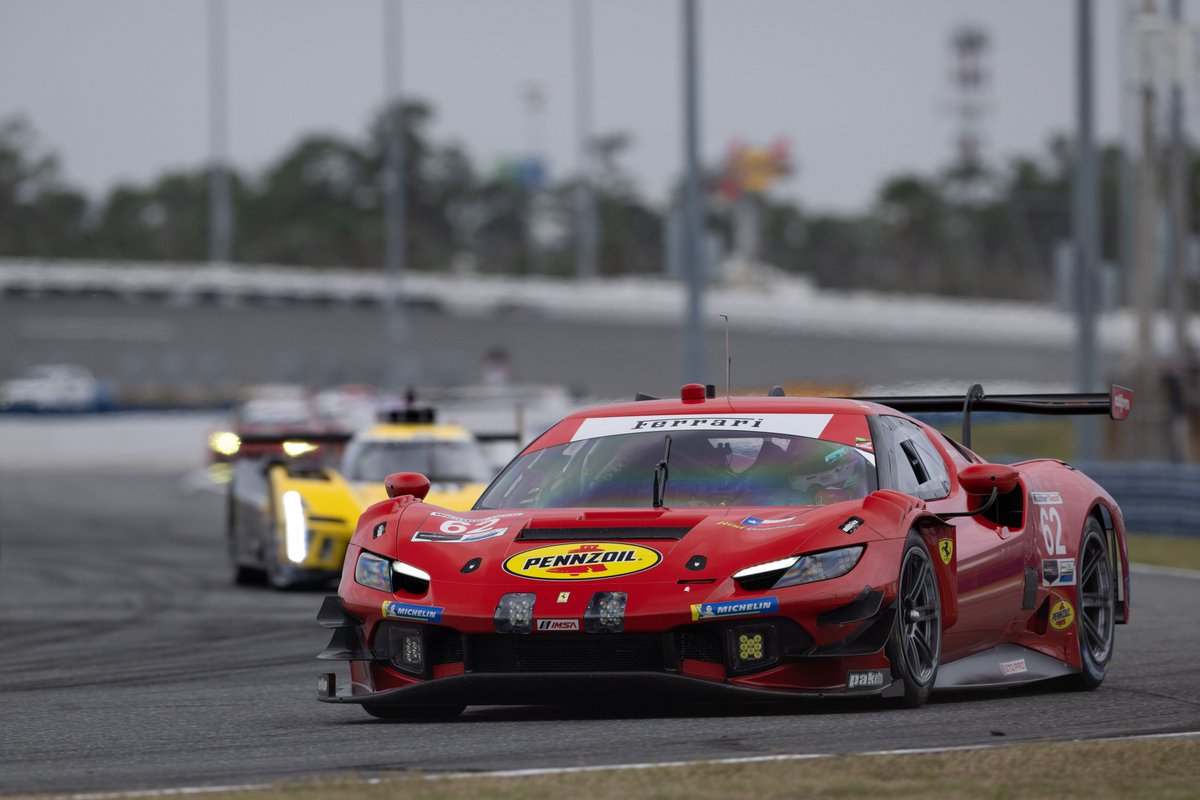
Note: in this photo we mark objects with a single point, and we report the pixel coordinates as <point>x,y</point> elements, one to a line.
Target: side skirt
<point>1005,665</point>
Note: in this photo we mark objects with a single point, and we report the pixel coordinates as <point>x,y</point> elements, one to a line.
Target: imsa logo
<point>582,562</point>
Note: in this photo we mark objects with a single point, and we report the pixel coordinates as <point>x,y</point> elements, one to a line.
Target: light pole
<point>220,216</point>
<point>1084,223</point>
<point>585,200</point>
<point>393,192</point>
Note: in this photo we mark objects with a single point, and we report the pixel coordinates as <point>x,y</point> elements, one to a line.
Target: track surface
<point>128,661</point>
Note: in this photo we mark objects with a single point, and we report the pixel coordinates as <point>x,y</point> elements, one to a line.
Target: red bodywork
<point>983,576</point>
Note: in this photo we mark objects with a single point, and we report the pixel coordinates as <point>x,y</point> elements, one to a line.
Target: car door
<point>991,559</point>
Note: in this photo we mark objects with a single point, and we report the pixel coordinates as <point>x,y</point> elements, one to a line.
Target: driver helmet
<point>831,476</point>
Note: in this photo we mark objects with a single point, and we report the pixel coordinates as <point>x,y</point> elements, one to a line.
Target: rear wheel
<point>412,713</point>
<point>1097,607</point>
<point>915,648</point>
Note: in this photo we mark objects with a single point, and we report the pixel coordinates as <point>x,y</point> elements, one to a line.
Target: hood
<point>455,496</point>
<point>593,546</point>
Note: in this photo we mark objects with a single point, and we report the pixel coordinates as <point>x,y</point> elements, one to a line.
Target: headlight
<point>388,576</point>
<point>373,572</point>
<point>799,569</point>
<point>295,527</point>
<point>227,443</point>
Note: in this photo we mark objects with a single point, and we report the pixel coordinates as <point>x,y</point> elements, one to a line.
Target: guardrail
<point>1155,497</point>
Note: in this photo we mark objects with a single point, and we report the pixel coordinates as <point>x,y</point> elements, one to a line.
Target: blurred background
<point>558,199</point>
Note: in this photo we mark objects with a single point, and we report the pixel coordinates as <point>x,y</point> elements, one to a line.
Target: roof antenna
<point>728,357</point>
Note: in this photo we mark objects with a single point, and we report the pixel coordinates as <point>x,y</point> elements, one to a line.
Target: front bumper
<point>772,655</point>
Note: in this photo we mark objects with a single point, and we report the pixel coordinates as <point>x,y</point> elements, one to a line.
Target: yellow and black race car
<point>289,519</point>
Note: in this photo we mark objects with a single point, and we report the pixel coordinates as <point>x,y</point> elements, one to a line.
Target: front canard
<point>582,562</point>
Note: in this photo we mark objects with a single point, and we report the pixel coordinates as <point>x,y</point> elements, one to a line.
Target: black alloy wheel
<point>1097,606</point>
<point>915,648</point>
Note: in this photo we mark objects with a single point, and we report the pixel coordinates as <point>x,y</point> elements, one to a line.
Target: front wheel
<point>412,713</point>
<point>1097,607</point>
<point>915,647</point>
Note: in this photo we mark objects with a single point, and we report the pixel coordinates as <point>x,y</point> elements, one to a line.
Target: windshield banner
<point>808,425</point>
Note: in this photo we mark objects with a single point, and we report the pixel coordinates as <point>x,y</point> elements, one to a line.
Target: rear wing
<point>1117,403</point>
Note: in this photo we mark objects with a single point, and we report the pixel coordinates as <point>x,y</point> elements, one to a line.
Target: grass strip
<point>1163,768</point>
<point>1164,551</point>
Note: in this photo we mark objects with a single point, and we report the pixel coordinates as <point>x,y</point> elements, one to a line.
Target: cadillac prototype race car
<point>744,547</point>
<point>290,519</point>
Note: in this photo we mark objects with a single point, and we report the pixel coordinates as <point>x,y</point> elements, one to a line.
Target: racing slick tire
<point>1097,607</point>
<point>241,574</point>
<point>915,646</point>
<point>412,713</point>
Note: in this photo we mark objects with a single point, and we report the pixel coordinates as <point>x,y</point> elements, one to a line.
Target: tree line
<point>990,231</point>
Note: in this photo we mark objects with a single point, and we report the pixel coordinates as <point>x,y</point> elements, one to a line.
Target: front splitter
<point>574,688</point>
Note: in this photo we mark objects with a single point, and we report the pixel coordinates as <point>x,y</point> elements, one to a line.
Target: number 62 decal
<point>1050,522</point>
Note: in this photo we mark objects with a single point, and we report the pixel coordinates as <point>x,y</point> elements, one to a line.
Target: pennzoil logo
<point>582,562</point>
<point>1062,615</point>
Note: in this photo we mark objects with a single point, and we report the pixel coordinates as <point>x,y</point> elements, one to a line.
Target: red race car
<point>744,547</point>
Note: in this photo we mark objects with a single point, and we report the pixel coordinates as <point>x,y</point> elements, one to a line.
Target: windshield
<point>440,461</point>
<point>705,468</point>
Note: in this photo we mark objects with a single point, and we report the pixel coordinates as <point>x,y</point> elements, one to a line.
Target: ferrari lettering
<point>699,422</point>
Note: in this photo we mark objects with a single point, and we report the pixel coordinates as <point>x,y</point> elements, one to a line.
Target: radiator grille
<point>567,653</point>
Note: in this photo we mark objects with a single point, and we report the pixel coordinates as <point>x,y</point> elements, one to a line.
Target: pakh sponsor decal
<point>582,562</point>
<point>1058,572</point>
<point>736,608</point>
<point>393,609</point>
<point>864,679</point>
<point>1062,615</point>
<point>558,624</point>
<point>1013,667</point>
<point>1045,498</point>
<point>946,550</point>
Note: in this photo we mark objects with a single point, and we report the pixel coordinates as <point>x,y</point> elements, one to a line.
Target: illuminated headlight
<point>514,613</point>
<point>373,572</point>
<point>226,443</point>
<point>605,613</point>
<point>295,528</point>
<point>799,569</point>
<point>294,449</point>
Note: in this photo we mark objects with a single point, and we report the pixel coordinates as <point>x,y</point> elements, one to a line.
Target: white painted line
<point>175,792</point>
<point>1174,572</point>
<point>523,773</point>
<point>526,773</point>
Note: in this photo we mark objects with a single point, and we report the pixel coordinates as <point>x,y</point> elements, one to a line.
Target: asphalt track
<point>128,661</point>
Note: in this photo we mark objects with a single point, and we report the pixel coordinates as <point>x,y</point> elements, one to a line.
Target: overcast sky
<point>859,87</point>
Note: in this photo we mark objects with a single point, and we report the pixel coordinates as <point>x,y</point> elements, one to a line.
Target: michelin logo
<point>395,610</point>
<point>736,608</point>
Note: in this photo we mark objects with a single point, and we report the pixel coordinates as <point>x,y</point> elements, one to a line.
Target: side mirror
<point>981,479</point>
<point>399,484</point>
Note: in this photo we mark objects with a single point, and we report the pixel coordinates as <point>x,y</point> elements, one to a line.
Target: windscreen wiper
<point>660,474</point>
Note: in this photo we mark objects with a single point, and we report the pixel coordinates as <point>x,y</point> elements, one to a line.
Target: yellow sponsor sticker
<point>1062,615</point>
<point>583,561</point>
<point>946,549</point>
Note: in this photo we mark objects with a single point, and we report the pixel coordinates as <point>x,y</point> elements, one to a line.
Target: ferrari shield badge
<point>946,549</point>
